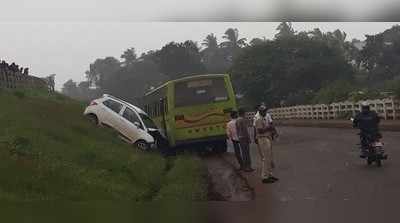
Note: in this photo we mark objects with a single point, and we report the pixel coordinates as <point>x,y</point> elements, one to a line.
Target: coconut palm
<point>210,42</point>
<point>232,39</point>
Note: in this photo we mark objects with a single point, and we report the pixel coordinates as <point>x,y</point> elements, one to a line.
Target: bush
<point>393,86</point>
<point>185,181</point>
<point>20,146</point>
<point>335,92</point>
<point>365,94</point>
<point>19,94</point>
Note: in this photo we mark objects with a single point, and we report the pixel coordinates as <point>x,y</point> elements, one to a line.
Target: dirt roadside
<point>385,125</point>
<point>225,183</point>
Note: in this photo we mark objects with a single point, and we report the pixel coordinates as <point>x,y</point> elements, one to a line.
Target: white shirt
<point>231,130</point>
<point>268,118</point>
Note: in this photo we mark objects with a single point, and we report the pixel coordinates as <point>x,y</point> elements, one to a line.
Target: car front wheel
<point>142,145</point>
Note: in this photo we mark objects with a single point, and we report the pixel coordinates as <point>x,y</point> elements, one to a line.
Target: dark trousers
<point>238,152</point>
<point>245,147</point>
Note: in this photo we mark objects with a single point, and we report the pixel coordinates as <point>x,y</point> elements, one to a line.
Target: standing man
<point>231,132</point>
<point>242,127</point>
<point>265,131</point>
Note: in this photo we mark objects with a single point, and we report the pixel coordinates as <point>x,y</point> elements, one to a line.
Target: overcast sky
<point>67,49</point>
<point>222,10</point>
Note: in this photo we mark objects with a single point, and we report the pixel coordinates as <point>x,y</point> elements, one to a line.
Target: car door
<point>132,126</point>
<point>112,116</point>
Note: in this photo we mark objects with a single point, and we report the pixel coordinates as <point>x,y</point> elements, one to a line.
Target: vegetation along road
<point>50,151</point>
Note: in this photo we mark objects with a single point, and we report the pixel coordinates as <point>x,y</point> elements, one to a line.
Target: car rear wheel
<point>142,145</point>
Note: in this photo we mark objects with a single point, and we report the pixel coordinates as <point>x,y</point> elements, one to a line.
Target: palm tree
<point>232,39</point>
<point>210,42</point>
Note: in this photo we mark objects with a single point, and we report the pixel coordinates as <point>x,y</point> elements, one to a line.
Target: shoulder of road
<point>385,125</point>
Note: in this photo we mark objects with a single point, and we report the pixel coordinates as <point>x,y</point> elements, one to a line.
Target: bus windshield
<point>200,91</point>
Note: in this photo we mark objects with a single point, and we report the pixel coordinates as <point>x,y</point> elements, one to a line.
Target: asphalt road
<point>322,179</point>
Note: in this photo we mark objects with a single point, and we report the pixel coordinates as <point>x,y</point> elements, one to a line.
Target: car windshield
<point>148,122</point>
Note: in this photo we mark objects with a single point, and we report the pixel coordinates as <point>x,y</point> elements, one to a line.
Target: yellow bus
<point>193,110</point>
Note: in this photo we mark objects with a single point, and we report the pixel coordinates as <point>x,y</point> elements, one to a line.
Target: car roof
<point>137,109</point>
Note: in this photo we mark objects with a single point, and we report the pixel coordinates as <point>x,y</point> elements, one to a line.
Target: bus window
<point>197,92</point>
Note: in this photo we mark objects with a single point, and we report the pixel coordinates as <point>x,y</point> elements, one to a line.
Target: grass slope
<point>49,151</point>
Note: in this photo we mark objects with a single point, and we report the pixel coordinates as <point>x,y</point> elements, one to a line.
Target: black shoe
<point>268,180</point>
<point>274,178</point>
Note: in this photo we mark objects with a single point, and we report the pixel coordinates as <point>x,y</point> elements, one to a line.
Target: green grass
<point>49,151</point>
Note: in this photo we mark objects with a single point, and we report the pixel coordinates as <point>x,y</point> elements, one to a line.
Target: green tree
<point>257,41</point>
<point>101,72</point>
<point>335,92</point>
<point>233,44</point>
<point>289,70</point>
<point>70,88</point>
<point>381,55</point>
<point>285,31</point>
<point>232,39</point>
<point>214,58</point>
<point>210,42</point>
<point>132,82</point>
<point>129,56</point>
<point>179,59</point>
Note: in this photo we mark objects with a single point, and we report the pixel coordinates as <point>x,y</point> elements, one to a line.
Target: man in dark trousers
<point>231,132</point>
<point>242,127</point>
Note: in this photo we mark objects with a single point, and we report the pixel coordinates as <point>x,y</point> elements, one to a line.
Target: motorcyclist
<point>368,123</point>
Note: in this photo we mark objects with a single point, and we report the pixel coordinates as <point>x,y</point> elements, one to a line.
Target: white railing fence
<point>388,108</point>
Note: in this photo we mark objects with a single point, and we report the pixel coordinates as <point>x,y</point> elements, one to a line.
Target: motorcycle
<point>374,148</point>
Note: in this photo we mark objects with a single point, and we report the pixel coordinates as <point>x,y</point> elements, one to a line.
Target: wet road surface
<point>322,179</point>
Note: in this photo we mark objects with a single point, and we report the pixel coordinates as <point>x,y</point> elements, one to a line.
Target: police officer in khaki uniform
<point>264,133</point>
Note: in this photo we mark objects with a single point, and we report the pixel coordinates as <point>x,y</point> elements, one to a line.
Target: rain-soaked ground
<point>321,180</point>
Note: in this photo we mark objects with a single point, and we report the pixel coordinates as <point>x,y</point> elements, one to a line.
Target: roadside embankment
<point>50,152</point>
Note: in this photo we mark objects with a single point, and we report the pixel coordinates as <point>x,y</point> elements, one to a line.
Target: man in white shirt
<point>231,132</point>
<point>264,132</point>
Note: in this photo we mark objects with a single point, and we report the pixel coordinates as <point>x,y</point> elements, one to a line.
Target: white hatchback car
<point>134,125</point>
